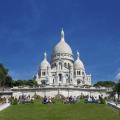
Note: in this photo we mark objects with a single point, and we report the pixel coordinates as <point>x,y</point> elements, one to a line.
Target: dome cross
<point>62,35</point>
<point>45,55</point>
<point>78,55</point>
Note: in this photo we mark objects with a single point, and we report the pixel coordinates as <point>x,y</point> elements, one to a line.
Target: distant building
<point>63,69</point>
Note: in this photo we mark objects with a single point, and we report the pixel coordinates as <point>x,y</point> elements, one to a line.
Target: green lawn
<point>78,111</point>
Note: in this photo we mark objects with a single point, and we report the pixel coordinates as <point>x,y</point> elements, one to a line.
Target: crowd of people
<point>91,99</point>
<point>24,98</point>
<point>52,100</point>
<point>47,100</point>
<point>71,100</point>
<point>65,100</point>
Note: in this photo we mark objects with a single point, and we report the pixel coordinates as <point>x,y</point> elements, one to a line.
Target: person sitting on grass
<point>70,99</point>
<point>49,100</point>
<point>45,100</point>
<point>66,100</point>
<point>74,99</point>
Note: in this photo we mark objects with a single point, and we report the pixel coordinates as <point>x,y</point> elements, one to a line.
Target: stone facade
<point>63,69</point>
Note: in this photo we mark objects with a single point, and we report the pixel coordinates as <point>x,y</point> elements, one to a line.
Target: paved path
<point>4,106</point>
<point>113,104</point>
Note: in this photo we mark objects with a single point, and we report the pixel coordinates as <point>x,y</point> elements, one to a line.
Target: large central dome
<point>62,46</point>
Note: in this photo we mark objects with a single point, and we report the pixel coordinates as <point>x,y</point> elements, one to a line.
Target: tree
<point>117,89</point>
<point>5,78</point>
<point>24,83</point>
<point>8,81</point>
<point>18,83</point>
<point>104,84</point>
<point>3,74</point>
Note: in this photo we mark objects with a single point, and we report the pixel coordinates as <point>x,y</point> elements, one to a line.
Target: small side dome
<point>78,64</point>
<point>45,64</point>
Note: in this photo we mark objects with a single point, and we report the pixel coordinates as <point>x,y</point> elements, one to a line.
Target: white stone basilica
<point>63,76</point>
<point>63,69</point>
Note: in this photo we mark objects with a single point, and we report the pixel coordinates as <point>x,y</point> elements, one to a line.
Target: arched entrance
<point>60,77</point>
<point>78,81</point>
<point>43,82</point>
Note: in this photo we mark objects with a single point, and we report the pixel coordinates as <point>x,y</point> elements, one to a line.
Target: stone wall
<point>52,92</point>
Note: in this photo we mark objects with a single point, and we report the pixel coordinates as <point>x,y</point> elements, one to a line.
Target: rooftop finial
<point>62,35</point>
<point>45,55</point>
<point>78,55</point>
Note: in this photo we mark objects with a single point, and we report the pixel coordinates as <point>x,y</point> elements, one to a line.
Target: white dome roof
<point>62,46</point>
<point>45,64</point>
<point>78,64</point>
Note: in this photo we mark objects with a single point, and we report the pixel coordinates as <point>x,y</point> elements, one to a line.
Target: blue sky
<point>30,27</point>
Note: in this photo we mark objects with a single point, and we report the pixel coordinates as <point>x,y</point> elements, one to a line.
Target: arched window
<point>78,72</point>
<point>55,65</point>
<point>43,73</point>
<point>53,81</point>
<point>43,82</point>
<point>82,73</point>
<point>60,65</point>
<point>65,64</point>
<point>78,81</point>
<point>60,77</point>
<point>68,65</point>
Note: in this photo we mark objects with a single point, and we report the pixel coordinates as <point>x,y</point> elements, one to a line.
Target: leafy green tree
<point>105,84</point>
<point>24,83</point>
<point>18,83</point>
<point>116,89</point>
<point>8,81</point>
<point>3,74</point>
<point>31,83</point>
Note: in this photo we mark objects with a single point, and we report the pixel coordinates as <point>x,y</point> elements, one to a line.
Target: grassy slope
<point>60,112</point>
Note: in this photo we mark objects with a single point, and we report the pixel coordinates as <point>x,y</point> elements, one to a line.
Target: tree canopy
<point>3,72</point>
<point>24,83</point>
<point>105,84</point>
<point>5,79</point>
